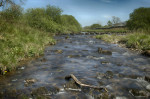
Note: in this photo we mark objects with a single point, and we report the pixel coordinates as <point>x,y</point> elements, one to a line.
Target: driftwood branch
<point>84,85</point>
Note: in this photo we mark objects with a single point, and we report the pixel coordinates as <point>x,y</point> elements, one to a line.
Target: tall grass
<point>115,30</point>
<point>140,41</point>
<point>19,42</point>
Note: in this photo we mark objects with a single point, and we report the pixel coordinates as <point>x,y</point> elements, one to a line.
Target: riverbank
<point>24,34</point>
<point>135,41</point>
<point>19,43</point>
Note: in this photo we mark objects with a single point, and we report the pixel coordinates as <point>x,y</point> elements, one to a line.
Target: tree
<point>139,19</point>
<point>54,12</point>
<point>109,23</point>
<point>94,26</point>
<point>14,12</point>
<point>71,23</point>
<point>115,20</point>
<point>3,3</point>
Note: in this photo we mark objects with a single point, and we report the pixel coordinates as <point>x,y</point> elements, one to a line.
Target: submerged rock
<point>119,97</point>
<point>104,62</point>
<point>146,53</point>
<point>59,51</point>
<point>106,52</point>
<point>43,60</point>
<point>147,78</point>
<point>148,87</point>
<point>29,81</point>
<point>109,74</point>
<point>39,91</point>
<point>44,91</point>
<point>74,56</point>
<point>66,37</point>
<point>139,93</point>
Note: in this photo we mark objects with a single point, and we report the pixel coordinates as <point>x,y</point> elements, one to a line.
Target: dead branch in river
<point>84,85</point>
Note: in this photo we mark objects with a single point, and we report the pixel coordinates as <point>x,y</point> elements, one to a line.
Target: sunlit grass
<point>20,42</point>
<point>115,30</point>
<point>140,41</point>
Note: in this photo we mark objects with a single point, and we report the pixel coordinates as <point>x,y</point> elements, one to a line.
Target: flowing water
<point>122,73</point>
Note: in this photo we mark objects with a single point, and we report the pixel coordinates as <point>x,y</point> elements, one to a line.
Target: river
<point>122,72</point>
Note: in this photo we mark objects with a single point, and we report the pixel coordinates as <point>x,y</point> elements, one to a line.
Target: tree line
<point>139,20</point>
<point>49,19</point>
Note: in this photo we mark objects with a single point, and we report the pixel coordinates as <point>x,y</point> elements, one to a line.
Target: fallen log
<point>84,85</point>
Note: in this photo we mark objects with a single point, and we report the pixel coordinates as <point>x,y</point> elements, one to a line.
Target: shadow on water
<point>122,73</point>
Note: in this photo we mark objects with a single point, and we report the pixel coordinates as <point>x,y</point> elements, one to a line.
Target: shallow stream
<point>122,73</point>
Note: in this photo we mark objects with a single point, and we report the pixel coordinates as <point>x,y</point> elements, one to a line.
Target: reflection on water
<point>122,73</point>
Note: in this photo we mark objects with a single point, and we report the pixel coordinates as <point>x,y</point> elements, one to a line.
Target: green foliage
<point>139,19</point>
<point>138,41</point>
<point>24,36</point>
<point>113,30</point>
<point>54,12</point>
<point>14,12</point>
<point>110,38</point>
<point>19,42</point>
<point>70,23</point>
<point>109,23</point>
<point>94,26</point>
<point>51,20</point>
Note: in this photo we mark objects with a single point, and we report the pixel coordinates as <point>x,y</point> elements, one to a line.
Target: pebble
<point>14,80</point>
<point>121,98</point>
<point>148,87</point>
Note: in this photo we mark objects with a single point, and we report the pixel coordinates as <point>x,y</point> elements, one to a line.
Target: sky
<point>89,12</point>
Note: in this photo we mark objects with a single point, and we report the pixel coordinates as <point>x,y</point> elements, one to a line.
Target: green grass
<point>110,38</point>
<point>140,41</point>
<point>115,30</point>
<point>19,42</point>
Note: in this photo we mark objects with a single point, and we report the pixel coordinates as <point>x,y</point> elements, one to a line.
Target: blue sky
<point>88,12</point>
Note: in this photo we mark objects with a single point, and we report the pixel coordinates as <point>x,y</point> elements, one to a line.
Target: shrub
<point>139,19</point>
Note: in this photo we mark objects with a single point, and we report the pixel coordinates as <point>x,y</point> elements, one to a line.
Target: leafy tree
<point>51,20</point>
<point>109,23</point>
<point>86,27</point>
<point>3,3</point>
<point>139,19</point>
<point>14,12</point>
<point>94,26</point>
<point>115,20</point>
<point>54,12</point>
<point>71,23</point>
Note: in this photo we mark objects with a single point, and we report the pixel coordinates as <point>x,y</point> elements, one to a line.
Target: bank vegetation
<point>139,24</point>
<point>24,34</point>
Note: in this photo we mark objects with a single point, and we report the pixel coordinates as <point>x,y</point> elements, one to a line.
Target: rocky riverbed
<point>124,73</point>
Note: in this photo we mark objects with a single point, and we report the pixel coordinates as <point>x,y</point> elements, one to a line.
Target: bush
<point>138,41</point>
<point>51,20</point>
<point>94,26</point>
<point>139,19</point>
<point>11,14</point>
<point>70,23</point>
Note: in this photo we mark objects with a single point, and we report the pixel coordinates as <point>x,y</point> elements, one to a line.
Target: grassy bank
<point>140,41</point>
<point>20,42</point>
<point>24,34</point>
<point>115,30</point>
